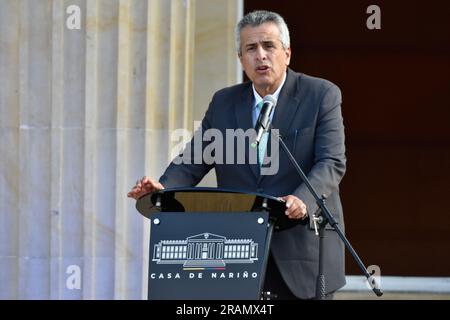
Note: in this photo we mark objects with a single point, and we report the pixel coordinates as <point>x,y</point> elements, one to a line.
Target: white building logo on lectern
<point>205,251</point>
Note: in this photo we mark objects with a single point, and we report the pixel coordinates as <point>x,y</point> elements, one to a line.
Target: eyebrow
<point>264,42</point>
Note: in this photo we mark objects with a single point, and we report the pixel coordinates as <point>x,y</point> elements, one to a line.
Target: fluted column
<point>83,113</point>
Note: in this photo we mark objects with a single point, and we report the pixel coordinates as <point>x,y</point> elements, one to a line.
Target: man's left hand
<point>295,208</point>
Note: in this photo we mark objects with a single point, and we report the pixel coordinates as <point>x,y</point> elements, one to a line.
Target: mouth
<point>262,69</point>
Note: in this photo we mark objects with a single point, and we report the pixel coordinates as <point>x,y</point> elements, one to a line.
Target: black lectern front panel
<point>208,256</point>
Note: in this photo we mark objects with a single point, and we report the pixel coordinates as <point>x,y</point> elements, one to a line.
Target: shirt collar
<point>258,98</point>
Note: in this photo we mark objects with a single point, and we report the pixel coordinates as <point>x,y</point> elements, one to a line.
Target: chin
<point>263,84</point>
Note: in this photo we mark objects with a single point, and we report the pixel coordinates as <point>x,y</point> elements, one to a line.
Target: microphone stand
<point>320,219</point>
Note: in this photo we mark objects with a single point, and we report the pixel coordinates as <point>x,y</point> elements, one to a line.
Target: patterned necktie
<point>263,142</point>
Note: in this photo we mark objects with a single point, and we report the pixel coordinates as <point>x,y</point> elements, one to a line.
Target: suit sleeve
<point>329,150</point>
<point>189,167</point>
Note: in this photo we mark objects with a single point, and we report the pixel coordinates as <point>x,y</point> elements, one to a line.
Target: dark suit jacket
<point>308,115</point>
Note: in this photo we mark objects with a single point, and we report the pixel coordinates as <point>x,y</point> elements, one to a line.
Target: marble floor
<point>397,288</point>
<point>348,295</point>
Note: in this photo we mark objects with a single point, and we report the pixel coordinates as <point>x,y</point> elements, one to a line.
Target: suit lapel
<point>243,108</point>
<point>287,105</point>
<point>244,119</point>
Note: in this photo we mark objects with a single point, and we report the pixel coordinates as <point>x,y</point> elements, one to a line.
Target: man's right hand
<point>144,186</point>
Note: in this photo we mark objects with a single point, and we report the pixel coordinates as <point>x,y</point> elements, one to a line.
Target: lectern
<point>209,243</point>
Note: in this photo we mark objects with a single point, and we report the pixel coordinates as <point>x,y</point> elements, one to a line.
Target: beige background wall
<point>85,112</point>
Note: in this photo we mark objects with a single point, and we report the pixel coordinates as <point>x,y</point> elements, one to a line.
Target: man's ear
<point>288,56</point>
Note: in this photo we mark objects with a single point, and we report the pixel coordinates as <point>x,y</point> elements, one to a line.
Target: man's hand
<point>144,186</point>
<point>295,208</point>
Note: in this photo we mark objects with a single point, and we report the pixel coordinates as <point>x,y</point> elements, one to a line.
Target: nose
<point>261,53</point>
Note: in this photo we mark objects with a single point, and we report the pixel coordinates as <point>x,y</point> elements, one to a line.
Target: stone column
<point>83,113</point>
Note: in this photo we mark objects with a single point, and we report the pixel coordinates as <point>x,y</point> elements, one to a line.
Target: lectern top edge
<point>204,199</point>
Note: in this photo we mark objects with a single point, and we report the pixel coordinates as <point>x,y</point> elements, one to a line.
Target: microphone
<point>263,122</point>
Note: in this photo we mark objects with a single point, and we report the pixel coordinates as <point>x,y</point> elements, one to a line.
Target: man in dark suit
<point>308,116</point>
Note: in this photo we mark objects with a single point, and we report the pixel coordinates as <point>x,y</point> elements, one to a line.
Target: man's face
<point>263,58</point>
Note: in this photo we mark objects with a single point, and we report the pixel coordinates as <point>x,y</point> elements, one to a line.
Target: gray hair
<point>257,18</point>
